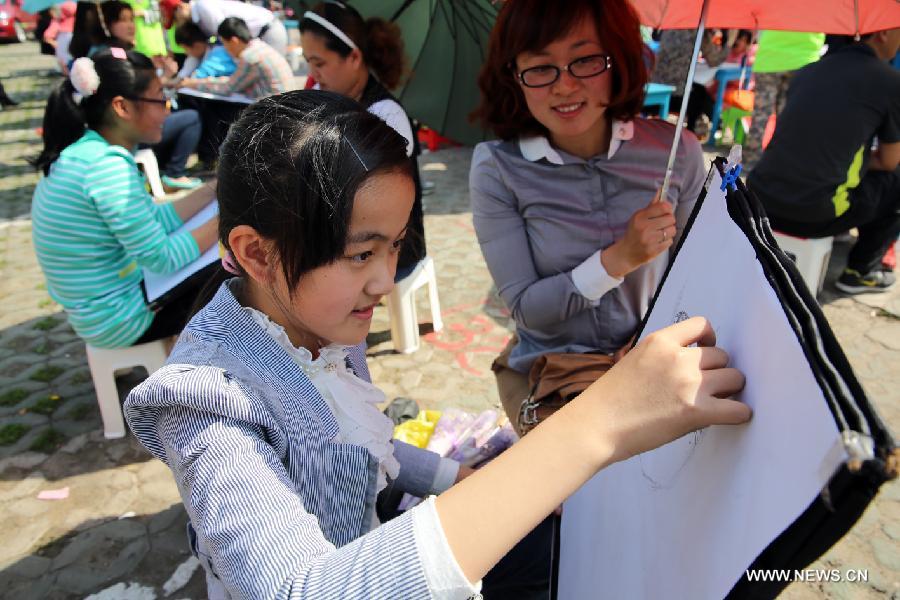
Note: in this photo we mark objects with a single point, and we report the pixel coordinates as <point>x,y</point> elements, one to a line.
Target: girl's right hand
<point>660,391</point>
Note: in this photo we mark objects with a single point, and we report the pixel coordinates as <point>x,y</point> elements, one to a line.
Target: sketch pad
<point>233,98</point>
<point>687,520</point>
<point>156,285</point>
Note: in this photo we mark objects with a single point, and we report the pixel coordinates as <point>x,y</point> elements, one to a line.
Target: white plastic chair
<point>402,306</point>
<point>104,363</point>
<point>811,256</point>
<point>147,161</point>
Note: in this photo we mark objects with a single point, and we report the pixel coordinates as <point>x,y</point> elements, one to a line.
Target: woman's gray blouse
<point>542,216</point>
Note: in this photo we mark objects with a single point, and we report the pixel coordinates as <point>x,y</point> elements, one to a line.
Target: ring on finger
<point>664,235</point>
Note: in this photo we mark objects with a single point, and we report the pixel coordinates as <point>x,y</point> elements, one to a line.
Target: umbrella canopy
<point>446,42</point>
<point>848,17</point>
<point>827,16</point>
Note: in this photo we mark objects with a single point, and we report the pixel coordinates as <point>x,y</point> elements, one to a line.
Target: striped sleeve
<point>240,82</point>
<point>167,216</point>
<point>117,190</point>
<point>261,540</point>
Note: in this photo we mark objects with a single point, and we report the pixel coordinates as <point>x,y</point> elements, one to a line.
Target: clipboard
<point>773,494</point>
<point>159,288</point>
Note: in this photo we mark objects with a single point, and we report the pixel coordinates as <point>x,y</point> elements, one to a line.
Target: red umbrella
<point>848,17</point>
<point>827,16</point>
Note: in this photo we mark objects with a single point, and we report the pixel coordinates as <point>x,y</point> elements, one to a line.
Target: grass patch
<point>46,302</point>
<point>43,348</point>
<point>80,377</point>
<point>47,374</point>
<point>80,412</point>
<point>886,314</point>
<point>46,324</point>
<point>11,397</point>
<point>47,441</point>
<point>12,433</point>
<point>46,405</point>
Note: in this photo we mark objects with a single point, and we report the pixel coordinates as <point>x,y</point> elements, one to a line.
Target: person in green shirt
<point>149,38</point>
<point>94,226</point>
<point>779,55</point>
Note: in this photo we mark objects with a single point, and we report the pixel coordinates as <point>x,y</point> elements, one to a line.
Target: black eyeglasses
<point>164,101</point>
<point>582,68</point>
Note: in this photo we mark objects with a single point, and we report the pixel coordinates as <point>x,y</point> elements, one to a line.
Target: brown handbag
<point>556,378</point>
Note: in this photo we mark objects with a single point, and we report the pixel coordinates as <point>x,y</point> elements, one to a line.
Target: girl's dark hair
<point>188,34</point>
<point>530,25</point>
<point>290,168</point>
<point>88,30</point>
<point>746,34</point>
<point>380,41</point>
<point>111,11</point>
<point>65,121</point>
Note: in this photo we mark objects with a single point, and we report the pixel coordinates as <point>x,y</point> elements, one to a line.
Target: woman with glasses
<point>564,204</point>
<point>94,226</point>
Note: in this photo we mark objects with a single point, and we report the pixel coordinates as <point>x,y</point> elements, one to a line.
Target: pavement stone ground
<point>120,532</point>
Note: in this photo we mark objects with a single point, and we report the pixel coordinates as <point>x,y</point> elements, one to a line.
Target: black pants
<point>874,211</point>
<point>700,103</point>
<point>524,573</point>
<point>216,117</point>
<point>177,306</point>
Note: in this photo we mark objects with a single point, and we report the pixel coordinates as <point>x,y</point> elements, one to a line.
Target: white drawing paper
<point>686,520</point>
<point>234,98</point>
<point>157,284</point>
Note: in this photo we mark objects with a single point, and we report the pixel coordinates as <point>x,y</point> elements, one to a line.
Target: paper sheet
<point>60,494</point>
<point>686,520</point>
<point>237,98</point>
<point>157,284</point>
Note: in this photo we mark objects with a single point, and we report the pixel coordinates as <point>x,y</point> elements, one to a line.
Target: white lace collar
<point>353,402</point>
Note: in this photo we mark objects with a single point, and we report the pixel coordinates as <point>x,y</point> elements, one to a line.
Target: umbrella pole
<point>684,100</point>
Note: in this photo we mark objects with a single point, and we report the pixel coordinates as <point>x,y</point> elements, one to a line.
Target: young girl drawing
<point>267,419</point>
<point>94,226</point>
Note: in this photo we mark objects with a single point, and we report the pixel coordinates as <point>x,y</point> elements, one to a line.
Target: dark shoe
<point>7,101</point>
<point>852,282</point>
<point>401,410</point>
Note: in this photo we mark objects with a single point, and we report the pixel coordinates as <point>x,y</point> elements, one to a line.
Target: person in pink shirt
<point>59,33</point>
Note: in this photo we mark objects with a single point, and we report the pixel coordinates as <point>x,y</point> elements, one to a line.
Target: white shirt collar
<point>536,147</point>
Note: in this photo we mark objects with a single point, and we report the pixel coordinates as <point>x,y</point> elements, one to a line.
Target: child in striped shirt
<point>267,418</point>
<point>261,70</point>
<point>94,226</point>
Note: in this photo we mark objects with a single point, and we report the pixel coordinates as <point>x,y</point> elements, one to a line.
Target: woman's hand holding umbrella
<point>650,232</point>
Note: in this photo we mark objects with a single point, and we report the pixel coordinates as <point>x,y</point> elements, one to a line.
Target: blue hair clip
<point>730,178</point>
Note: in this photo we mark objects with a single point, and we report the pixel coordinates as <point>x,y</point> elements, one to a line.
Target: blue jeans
<point>180,135</point>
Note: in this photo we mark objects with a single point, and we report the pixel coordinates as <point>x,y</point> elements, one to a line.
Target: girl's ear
<point>122,108</point>
<point>355,57</point>
<point>252,252</point>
